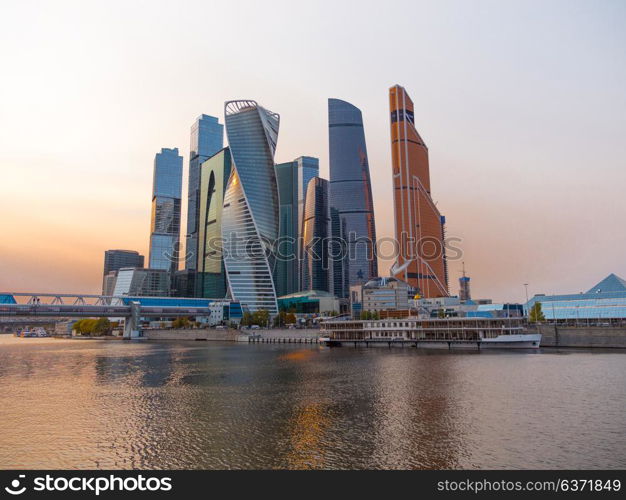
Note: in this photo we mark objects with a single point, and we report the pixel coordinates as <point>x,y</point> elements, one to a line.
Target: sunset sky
<point>522,105</point>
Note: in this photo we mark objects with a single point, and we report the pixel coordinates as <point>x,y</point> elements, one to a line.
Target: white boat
<point>35,332</point>
<point>438,333</point>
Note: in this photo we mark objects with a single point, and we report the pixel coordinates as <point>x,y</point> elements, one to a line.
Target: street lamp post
<point>526,287</point>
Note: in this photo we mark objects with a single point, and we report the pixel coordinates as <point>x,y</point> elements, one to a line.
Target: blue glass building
<point>207,138</point>
<point>166,198</point>
<point>351,205</point>
<point>293,178</point>
<point>602,302</point>
<point>250,212</point>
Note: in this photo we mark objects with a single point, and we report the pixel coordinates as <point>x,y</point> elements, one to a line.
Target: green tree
<point>246,319</point>
<point>290,319</point>
<point>261,317</point>
<point>86,326</point>
<point>102,326</point>
<point>182,322</point>
<point>441,313</point>
<point>536,314</point>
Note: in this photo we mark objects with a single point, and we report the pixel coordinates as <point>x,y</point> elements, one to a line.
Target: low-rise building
<point>380,294</point>
<point>309,302</point>
<point>602,303</point>
<point>139,282</point>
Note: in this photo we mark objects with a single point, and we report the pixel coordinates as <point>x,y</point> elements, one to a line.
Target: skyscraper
<point>316,270</point>
<point>207,138</point>
<point>165,223</point>
<point>250,213</point>
<point>352,209</point>
<point>420,229</point>
<point>293,178</point>
<point>114,260</point>
<point>211,276</point>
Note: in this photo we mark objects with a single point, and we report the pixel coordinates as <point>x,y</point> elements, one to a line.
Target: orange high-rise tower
<point>419,225</point>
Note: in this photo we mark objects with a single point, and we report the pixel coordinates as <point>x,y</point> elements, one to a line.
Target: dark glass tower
<point>207,138</point>
<point>352,209</point>
<point>211,276</point>
<point>292,178</point>
<point>316,272</point>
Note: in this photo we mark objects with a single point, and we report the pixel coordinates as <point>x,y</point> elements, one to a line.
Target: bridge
<point>58,305</point>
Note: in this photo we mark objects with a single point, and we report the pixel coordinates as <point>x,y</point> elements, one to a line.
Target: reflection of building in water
<point>306,432</point>
<point>416,423</point>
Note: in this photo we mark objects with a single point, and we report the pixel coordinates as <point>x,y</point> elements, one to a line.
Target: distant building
<point>183,283</point>
<point>116,259</point>
<point>464,287</point>
<point>420,228</point>
<point>351,204</point>
<point>385,294</point>
<point>109,283</point>
<point>292,179</point>
<point>142,282</point>
<point>496,311</point>
<point>316,269</point>
<point>604,301</point>
<point>309,302</point>
<point>211,275</point>
<point>165,221</point>
<point>207,138</point>
<point>250,210</point>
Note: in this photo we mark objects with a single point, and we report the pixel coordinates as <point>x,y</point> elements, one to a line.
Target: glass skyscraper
<point>166,198</point>
<point>420,228</point>
<point>352,208</point>
<point>250,213</point>
<point>207,138</point>
<point>211,276</point>
<point>293,178</point>
<point>315,269</point>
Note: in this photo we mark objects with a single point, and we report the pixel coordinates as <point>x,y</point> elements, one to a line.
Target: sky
<point>522,105</point>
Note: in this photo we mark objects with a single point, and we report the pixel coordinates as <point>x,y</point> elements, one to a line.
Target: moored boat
<point>442,333</point>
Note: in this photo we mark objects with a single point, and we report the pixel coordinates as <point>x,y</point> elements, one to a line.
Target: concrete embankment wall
<point>191,334</point>
<point>226,335</point>
<point>582,336</point>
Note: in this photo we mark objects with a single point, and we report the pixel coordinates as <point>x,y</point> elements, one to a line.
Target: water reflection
<point>91,404</point>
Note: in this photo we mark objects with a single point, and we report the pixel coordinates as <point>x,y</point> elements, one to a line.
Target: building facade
<point>351,205</point>
<point>292,178</point>
<point>166,204</point>
<point>251,205</point>
<point>142,282</point>
<point>385,294</point>
<point>117,259</point>
<point>211,275</point>
<point>602,304</point>
<point>316,271</point>
<point>419,227</point>
<point>207,138</point>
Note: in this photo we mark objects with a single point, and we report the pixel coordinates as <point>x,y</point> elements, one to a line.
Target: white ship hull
<point>514,341</point>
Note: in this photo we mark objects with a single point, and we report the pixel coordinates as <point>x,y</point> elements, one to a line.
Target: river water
<point>114,404</point>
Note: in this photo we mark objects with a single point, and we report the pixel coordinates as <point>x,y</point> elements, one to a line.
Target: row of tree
<point>370,315</point>
<point>92,326</point>
<point>260,318</point>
